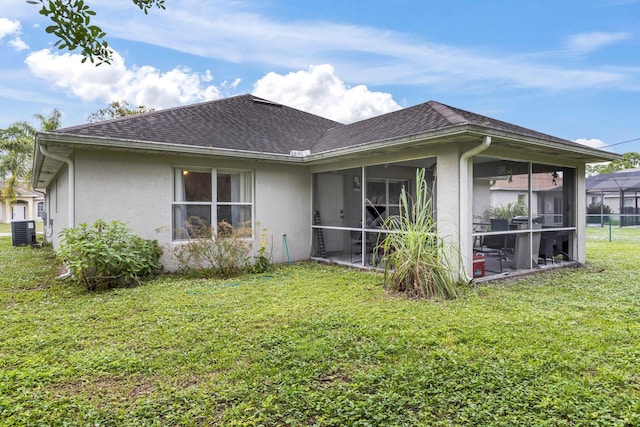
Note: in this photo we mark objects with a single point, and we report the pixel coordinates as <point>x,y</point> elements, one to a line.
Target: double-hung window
<point>208,200</point>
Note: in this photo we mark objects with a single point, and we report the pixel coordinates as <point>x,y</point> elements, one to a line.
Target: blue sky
<point>569,68</point>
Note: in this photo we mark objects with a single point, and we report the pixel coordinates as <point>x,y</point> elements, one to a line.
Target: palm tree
<point>50,123</point>
<point>16,152</point>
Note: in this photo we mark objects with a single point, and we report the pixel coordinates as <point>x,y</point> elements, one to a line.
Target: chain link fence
<point>613,227</point>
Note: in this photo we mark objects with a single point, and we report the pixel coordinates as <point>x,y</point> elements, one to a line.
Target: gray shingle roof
<point>422,118</point>
<point>240,123</point>
<point>628,180</point>
<point>249,123</point>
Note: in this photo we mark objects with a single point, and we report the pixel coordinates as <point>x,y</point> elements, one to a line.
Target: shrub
<point>107,255</point>
<point>415,258</point>
<point>224,255</point>
<point>600,210</point>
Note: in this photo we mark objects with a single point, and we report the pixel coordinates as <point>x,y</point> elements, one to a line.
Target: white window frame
<point>178,171</point>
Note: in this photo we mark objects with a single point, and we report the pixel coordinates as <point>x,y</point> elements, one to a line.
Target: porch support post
<point>580,214</point>
<point>465,193</point>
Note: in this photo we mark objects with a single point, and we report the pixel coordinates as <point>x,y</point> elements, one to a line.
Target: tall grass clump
<point>414,257</point>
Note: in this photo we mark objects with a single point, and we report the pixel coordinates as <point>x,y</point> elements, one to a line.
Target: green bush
<point>598,209</point>
<point>107,255</point>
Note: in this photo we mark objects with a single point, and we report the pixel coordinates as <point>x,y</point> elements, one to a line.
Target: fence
<point>613,227</point>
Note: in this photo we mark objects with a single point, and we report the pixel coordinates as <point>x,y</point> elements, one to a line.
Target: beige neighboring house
<point>318,186</point>
<point>546,195</point>
<point>29,205</point>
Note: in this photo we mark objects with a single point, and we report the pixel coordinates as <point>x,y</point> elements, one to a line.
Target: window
<point>40,209</point>
<point>207,198</point>
<point>384,195</point>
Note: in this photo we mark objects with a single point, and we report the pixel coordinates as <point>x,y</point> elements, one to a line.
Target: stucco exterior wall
<point>57,206</point>
<point>448,203</point>
<point>283,206</point>
<point>137,189</point>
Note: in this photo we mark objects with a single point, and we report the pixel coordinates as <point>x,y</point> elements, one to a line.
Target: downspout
<point>72,190</point>
<point>464,200</point>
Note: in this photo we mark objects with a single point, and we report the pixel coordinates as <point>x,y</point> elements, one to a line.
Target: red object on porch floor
<point>478,266</point>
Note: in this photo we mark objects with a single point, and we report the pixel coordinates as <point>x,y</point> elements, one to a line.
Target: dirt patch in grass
<point>128,389</point>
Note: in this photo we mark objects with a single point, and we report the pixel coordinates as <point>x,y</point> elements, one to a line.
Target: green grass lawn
<point>320,345</point>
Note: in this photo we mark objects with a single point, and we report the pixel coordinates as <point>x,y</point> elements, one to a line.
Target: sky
<point>568,68</point>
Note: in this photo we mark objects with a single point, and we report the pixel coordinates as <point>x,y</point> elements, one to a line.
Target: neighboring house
<point>546,195</point>
<point>322,184</point>
<point>619,190</point>
<point>28,205</point>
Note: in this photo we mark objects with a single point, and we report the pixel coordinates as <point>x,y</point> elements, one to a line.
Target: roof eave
<point>585,153</point>
<point>78,141</point>
<point>424,137</point>
<point>588,154</point>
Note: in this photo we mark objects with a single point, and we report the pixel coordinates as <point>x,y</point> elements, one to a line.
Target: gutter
<point>464,199</point>
<point>71,222</point>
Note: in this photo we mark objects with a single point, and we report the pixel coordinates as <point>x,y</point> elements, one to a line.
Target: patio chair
<point>495,244</point>
<point>355,246</point>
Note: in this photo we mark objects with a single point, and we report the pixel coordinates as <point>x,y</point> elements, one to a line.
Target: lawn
<point>320,345</point>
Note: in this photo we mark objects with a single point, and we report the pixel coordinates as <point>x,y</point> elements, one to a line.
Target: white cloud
<point>593,142</point>
<point>319,91</point>
<point>18,44</point>
<point>144,85</point>
<point>12,29</point>
<point>8,28</point>
<point>585,43</point>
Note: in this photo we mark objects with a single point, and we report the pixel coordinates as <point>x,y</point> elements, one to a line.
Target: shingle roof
<point>627,180</point>
<point>422,118</point>
<point>249,123</point>
<point>242,122</point>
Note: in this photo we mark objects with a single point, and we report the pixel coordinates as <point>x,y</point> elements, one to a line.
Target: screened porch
<point>351,205</point>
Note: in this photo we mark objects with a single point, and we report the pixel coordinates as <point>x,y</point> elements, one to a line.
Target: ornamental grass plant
<point>416,260</point>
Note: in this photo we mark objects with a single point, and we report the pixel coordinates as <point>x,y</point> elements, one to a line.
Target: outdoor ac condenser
<point>23,233</point>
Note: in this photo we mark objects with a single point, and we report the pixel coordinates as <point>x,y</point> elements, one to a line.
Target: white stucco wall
<point>137,189</point>
<point>283,206</point>
<point>57,206</point>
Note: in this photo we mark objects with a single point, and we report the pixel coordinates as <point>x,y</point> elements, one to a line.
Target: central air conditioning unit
<point>23,233</point>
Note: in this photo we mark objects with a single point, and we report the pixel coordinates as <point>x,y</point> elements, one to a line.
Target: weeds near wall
<point>262,259</point>
<point>226,253</point>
